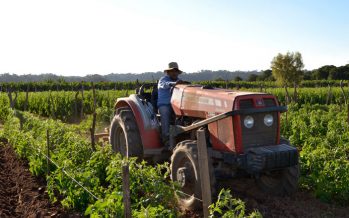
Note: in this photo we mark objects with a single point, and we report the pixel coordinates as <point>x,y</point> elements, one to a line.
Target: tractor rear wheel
<point>124,134</point>
<point>282,182</point>
<point>185,172</point>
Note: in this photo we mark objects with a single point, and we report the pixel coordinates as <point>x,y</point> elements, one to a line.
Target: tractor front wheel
<point>282,182</point>
<point>124,134</point>
<point>185,172</point>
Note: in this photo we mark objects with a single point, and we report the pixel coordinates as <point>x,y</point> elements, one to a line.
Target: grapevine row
<point>100,171</point>
<point>72,106</point>
<point>75,86</point>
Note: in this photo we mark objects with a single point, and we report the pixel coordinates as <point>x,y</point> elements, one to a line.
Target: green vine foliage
<point>75,86</point>
<point>229,207</point>
<point>4,107</point>
<point>63,105</point>
<point>321,133</point>
<point>99,171</point>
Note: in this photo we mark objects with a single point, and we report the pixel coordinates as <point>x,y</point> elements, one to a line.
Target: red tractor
<point>242,136</point>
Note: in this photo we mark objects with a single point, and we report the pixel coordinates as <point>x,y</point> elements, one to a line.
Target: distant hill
<point>202,75</point>
<point>327,72</point>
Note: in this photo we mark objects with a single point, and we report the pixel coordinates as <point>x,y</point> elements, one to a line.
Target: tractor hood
<point>205,101</point>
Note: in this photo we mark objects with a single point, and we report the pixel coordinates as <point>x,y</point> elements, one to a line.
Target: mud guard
<point>147,124</point>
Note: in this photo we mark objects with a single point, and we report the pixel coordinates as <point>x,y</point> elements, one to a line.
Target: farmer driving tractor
<point>241,128</point>
<point>164,98</point>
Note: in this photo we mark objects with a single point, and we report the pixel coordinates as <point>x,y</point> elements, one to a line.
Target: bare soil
<point>301,204</point>
<point>21,194</point>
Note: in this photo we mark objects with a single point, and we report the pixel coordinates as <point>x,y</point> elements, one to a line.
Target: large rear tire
<point>185,172</point>
<point>282,182</point>
<point>124,134</point>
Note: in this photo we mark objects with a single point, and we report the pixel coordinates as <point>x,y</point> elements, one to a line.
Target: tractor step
<point>155,151</point>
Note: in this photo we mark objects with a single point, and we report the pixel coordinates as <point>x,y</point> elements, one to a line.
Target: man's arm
<point>165,84</point>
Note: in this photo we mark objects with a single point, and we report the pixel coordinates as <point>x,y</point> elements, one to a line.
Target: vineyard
<point>88,179</point>
<point>75,86</point>
<point>67,105</point>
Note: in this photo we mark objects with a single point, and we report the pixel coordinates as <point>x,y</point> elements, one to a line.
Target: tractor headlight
<point>268,120</point>
<point>248,122</point>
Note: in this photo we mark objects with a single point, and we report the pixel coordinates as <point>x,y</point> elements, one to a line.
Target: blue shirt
<point>164,90</point>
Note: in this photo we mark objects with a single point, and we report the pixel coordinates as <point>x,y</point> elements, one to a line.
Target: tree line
<point>202,75</point>
<point>327,72</point>
<point>285,69</point>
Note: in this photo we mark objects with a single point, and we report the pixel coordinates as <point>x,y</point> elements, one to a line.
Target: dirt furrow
<point>21,194</point>
<point>301,204</point>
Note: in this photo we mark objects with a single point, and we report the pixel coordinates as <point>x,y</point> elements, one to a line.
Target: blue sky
<point>79,37</point>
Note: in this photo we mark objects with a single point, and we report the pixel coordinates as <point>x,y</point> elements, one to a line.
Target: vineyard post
<point>92,129</point>
<point>295,94</point>
<point>9,93</point>
<point>286,106</point>
<point>15,99</point>
<point>26,98</point>
<point>343,93</point>
<point>287,95</point>
<point>12,100</point>
<point>49,105</point>
<point>48,152</point>
<point>82,101</point>
<point>108,98</point>
<point>348,106</point>
<point>76,105</point>
<point>126,190</point>
<point>204,168</point>
<point>329,95</point>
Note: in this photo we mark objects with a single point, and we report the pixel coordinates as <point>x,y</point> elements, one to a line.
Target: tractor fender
<point>146,120</point>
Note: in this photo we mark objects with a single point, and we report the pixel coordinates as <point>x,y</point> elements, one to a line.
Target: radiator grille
<point>246,104</point>
<point>269,102</point>
<point>259,134</point>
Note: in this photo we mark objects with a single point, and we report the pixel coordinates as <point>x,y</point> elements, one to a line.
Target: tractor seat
<point>151,97</point>
<point>146,96</point>
<point>154,98</point>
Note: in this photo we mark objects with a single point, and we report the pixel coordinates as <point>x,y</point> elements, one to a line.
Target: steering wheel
<point>182,83</point>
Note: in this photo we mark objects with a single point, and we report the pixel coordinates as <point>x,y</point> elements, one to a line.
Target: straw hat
<point>172,66</point>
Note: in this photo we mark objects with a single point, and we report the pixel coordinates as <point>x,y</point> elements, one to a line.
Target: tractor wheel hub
<point>182,176</point>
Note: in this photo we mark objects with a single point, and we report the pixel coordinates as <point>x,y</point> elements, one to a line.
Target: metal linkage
<point>188,195</point>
